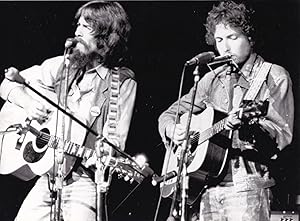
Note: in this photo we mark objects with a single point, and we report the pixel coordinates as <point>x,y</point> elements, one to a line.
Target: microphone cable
<point>126,197</point>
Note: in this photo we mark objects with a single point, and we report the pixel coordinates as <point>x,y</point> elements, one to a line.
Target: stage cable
<point>128,195</point>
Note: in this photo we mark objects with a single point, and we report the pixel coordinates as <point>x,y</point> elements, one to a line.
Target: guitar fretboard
<point>252,110</point>
<point>78,150</point>
<point>124,166</point>
<point>208,133</point>
<point>70,148</point>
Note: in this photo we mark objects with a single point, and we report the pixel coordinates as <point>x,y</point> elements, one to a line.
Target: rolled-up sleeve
<point>44,73</point>
<point>29,75</point>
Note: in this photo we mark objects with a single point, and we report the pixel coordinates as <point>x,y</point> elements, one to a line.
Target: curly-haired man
<point>241,192</point>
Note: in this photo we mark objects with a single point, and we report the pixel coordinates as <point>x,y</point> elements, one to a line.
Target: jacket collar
<point>100,70</point>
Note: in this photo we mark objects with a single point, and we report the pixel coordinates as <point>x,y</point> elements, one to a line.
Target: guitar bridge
<point>22,132</point>
<point>20,140</point>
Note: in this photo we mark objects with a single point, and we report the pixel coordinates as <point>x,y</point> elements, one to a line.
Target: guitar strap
<point>113,113</point>
<point>112,116</point>
<point>112,122</point>
<point>258,81</point>
<point>262,72</point>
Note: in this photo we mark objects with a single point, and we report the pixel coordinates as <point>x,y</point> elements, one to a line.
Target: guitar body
<point>26,155</point>
<point>207,159</point>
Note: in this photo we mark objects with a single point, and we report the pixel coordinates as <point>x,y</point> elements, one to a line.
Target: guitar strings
<point>208,132</point>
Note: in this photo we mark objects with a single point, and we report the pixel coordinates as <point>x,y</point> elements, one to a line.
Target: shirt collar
<point>246,71</point>
<point>248,66</point>
<point>100,70</point>
<point>251,67</point>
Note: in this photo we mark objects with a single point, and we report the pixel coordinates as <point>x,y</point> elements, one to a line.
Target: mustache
<point>79,40</point>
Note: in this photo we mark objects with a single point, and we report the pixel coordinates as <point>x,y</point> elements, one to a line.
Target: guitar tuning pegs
<point>120,175</point>
<point>126,178</point>
<point>253,121</point>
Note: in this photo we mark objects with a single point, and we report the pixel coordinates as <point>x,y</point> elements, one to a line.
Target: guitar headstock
<point>132,171</point>
<point>254,109</point>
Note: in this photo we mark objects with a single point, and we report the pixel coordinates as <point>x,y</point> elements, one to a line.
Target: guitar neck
<point>200,137</point>
<point>124,166</point>
<point>210,132</point>
<point>70,148</point>
<point>77,150</point>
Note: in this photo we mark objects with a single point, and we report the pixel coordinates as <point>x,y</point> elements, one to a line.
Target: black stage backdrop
<point>164,36</point>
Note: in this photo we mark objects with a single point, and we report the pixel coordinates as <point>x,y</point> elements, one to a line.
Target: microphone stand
<point>182,176</point>
<point>13,75</point>
<point>102,180</point>
<point>60,148</point>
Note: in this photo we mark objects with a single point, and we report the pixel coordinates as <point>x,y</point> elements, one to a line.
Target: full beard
<point>81,60</point>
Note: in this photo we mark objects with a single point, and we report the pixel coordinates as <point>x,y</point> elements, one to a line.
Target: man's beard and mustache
<point>89,59</point>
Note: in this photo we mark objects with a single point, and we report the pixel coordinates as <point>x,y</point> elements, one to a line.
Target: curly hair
<point>111,28</point>
<point>232,14</point>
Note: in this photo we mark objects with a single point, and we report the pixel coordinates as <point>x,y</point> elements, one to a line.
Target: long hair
<point>233,14</point>
<point>111,29</point>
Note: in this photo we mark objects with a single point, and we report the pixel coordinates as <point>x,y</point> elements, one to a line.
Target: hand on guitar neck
<point>233,121</point>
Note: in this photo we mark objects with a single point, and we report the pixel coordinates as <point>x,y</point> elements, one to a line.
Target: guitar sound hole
<point>29,155</point>
<point>43,139</point>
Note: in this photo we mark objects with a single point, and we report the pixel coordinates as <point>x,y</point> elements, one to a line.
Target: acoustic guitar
<point>27,148</point>
<point>209,144</point>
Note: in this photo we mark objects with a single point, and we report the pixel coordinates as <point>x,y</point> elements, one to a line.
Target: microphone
<point>208,57</point>
<point>221,59</point>
<point>71,42</point>
<point>201,58</point>
<point>158,179</point>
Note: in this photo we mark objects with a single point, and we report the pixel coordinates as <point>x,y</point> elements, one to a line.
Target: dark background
<point>164,35</point>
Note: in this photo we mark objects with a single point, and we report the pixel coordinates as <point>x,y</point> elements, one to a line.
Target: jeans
<point>78,200</point>
<point>225,204</point>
